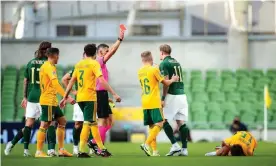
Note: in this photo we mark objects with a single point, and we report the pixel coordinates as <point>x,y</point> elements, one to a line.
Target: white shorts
<point>176,107</point>
<point>33,110</point>
<point>77,115</point>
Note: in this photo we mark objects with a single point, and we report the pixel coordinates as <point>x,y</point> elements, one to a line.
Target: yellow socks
<point>84,136</point>
<point>97,136</point>
<point>41,135</point>
<point>153,134</point>
<point>153,145</point>
<point>60,137</point>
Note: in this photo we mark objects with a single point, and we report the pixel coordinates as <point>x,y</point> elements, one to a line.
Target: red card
<point>122,27</point>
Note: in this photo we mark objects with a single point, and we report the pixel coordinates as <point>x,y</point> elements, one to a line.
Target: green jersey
<point>169,67</point>
<point>32,75</point>
<point>76,84</point>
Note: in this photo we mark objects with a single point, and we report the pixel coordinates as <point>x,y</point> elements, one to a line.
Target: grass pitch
<point>128,154</point>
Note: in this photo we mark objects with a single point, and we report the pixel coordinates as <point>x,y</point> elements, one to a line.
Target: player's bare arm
<point>65,81</point>
<point>109,89</point>
<point>66,94</point>
<point>114,47</point>
<point>167,82</point>
<point>25,87</point>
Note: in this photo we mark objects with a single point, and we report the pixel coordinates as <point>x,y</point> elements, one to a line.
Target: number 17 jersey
<point>32,75</point>
<point>149,77</point>
<point>87,71</point>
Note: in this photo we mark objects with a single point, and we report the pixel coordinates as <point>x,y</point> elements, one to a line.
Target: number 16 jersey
<point>149,77</point>
<point>169,67</point>
<point>87,71</point>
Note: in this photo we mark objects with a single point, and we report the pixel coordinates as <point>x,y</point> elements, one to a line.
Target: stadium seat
<point>256,73</point>
<point>225,74</point>
<point>217,97</point>
<point>246,107</point>
<point>249,97</point>
<point>211,74</point>
<point>214,107</point>
<point>7,113</point>
<point>271,73</point>
<point>249,119</point>
<point>215,118</point>
<point>184,76</point>
<point>242,73</point>
<point>196,74</point>
<point>213,85</point>
<point>260,83</point>
<point>19,114</point>
<point>272,87</point>
<point>229,107</point>
<point>200,97</point>
<point>197,107</point>
<point>229,116</point>
<point>233,97</point>
<point>198,87</point>
<point>68,112</point>
<point>229,85</point>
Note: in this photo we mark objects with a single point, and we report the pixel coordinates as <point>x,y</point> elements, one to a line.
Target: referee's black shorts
<point>103,108</point>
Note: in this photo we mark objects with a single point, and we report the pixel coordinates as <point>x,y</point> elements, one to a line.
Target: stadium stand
<point>214,98</point>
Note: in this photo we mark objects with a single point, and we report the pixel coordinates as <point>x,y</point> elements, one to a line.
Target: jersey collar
<point>167,57</point>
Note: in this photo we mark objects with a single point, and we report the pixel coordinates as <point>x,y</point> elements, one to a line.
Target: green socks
<point>169,132</point>
<point>51,137</point>
<point>18,136</point>
<point>76,135</point>
<point>27,136</point>
<point>184,131</point>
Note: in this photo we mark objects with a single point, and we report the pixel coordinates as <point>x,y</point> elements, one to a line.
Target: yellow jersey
<point>47,74</point>
<point>245,140</point>
<point>87,71</point>
<point>150,77</point>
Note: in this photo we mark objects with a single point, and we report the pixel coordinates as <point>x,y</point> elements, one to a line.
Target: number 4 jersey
<point>169,67</point>
<point>32,75</point>
<point>149,77</point>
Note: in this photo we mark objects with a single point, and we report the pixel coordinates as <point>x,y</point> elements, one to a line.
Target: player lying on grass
<point>149,77</point>
<point>104,53</point>
<point>31,104</point>
<point>86,73</point>
<point>49,87</point>
<point>240,144</point>
<point>174,102</point>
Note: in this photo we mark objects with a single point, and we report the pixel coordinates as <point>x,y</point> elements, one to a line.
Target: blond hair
<point>146,56</point>
<point>166,49</point>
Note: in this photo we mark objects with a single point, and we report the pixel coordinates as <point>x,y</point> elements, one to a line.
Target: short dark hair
<point>90,50</point>
<point>236,150</point>
<point>102,46</point>
<point>51,51</point>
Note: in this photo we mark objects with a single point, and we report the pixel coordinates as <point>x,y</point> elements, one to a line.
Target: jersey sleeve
<point>51,72</point>
<point>157,74</point>
<point>71,72</point>
<point>163,69</point>
<point>26,73</point>
<point>97,70</point>
<point>228,141</point>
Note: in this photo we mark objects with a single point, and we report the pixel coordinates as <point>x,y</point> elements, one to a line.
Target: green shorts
<point>152,116</point>
<point>50,113</point>
<point>89,109</point>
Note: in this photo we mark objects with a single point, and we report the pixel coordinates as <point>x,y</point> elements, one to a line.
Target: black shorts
<point>103,108</point>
